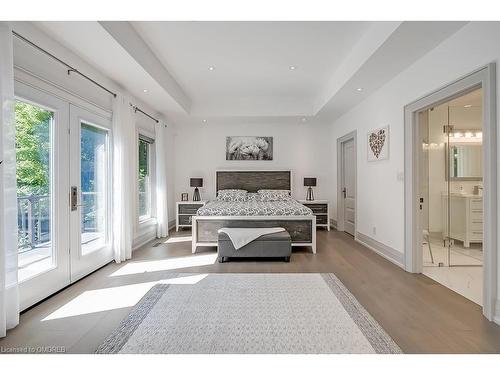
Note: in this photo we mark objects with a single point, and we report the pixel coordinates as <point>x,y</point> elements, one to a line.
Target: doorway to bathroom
<point>451,199</point>
<point>416,114</point>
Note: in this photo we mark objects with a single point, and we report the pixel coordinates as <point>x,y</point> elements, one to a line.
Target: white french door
<point>63,192</point>
<point>42,145</point>
<point>90,191</point>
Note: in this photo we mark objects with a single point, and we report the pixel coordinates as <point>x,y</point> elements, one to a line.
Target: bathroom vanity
<point>465,219</point>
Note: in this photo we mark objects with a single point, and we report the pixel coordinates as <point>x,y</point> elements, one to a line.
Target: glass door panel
<point>94,177</point>
<point>34,157</point>
<point>90,191</point>
<point>464,176</point>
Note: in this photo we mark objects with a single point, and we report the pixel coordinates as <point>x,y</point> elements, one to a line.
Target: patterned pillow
<point>232,195</point>
<point>253,197</point>
<point>274,195</point>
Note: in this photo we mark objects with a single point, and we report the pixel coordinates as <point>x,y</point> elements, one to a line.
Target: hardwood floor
<point>421,315</point>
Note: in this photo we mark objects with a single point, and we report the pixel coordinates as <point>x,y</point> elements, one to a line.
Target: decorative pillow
<point>274,195</point>
<point>232,195</point>
<point>253,197</point>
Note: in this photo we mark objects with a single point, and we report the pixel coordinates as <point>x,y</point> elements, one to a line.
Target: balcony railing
<point>33,219</point>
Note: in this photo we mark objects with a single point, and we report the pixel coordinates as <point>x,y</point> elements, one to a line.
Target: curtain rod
<point>70,68</point>
<point>74,70</point>
<point>137,109</point>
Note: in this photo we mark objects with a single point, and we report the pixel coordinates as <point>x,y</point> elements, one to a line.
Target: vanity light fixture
<point>145,90</point>
<point>467,105</point>
<point>293,67</point>
<point>359,89</point>
<point>467,135</point>
<point>211,68</point>
<point>204,120</point>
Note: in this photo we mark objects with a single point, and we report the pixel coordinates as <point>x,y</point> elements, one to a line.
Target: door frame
<point>340,167</point>
<point>484,78</point>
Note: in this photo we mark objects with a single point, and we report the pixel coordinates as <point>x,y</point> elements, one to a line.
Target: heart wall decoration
<point>378,144</point>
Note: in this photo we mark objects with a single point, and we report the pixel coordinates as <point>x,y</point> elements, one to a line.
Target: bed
<point>296,218</point>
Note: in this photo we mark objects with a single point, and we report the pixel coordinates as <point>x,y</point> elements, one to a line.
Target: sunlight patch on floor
<point>99,300</point>
<point>179,239</point>
<point>166,264</point>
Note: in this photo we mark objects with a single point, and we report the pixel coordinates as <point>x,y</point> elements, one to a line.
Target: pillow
<point>232,195</point>
<point>253,197</point>
<point>267,195</point>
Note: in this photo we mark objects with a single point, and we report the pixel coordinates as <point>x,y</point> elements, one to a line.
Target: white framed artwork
<point>378,144</point>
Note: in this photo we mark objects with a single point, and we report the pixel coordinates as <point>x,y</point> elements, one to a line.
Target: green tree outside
<point>32,149</point>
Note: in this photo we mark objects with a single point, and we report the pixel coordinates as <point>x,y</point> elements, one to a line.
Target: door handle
<point>344,191</point>
<point>74,198</point>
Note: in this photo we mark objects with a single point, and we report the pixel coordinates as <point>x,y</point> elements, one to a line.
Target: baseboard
<point>171,224</point>
<point>496,315</point>
<point>333,224</point>
<point>381,249</point>
<point>145,237</point>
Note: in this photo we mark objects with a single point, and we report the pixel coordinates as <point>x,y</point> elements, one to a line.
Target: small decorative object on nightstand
<point>310,182</point>
<point>196,183</point>
<point>321,210</point>
<point>184,197</point>
<point>184,213</point>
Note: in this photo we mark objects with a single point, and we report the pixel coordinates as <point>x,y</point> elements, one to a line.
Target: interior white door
<point>42,146</point>
<point>349,185</point>
<point>90,192</point>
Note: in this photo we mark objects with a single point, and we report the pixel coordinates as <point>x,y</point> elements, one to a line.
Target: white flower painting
<point>249,148</point>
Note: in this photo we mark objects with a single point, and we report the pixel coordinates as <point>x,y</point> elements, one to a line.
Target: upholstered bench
<point>274,245</point>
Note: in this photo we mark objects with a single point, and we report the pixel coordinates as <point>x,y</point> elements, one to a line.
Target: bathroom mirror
<point>465,162</point>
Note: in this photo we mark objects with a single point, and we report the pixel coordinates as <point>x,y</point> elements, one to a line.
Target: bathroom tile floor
<point>465,277</point>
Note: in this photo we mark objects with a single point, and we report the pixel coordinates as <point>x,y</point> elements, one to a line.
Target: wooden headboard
<point>253,180</point>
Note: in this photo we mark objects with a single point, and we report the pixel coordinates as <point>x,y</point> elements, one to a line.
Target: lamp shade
<point>196,182</point>
<point>309,181</point>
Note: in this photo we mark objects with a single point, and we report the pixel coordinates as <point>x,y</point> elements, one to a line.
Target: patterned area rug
<point>250,313</point>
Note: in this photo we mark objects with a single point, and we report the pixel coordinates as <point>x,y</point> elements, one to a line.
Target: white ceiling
<point>252,76</point>
<point>473,98</point>
<point>252,60</point>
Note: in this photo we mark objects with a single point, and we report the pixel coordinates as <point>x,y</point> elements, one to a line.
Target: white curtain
<point>161,179</point>
<point>9,295</point>
<point>124,177</point>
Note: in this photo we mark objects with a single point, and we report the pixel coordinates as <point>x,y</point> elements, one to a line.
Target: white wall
<point>38,64</point>
<point>303,148</point>
<point>380,193</point>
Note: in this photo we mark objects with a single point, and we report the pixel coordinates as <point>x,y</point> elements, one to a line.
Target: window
<point>144,177</point>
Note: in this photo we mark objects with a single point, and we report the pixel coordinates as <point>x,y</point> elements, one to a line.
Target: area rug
<point>250,313</point>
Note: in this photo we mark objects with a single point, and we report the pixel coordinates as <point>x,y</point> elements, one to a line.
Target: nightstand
<point>321,210</point>
<point>185,211</point>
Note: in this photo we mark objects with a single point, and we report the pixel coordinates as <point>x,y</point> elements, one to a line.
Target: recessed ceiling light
<point>145,90</point>
<point>293,67</point>
<point>467,105</point>
<point>211,68</point>
<point>359,89</point>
